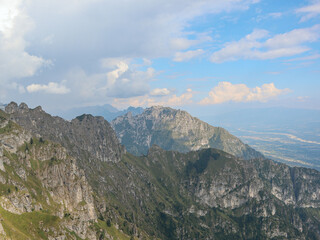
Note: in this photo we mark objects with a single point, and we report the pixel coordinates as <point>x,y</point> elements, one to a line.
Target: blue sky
<point>202,56</point>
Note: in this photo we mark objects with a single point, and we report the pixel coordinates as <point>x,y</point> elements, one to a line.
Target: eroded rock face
<point>238,182</point>
<point>92,135</point>
<point>175,130</point>
<point>260,190</point>
<point>40,175</point>
<point>90,140</point>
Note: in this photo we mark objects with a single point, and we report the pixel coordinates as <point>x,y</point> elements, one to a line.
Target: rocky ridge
<point>40,180</point>
<point>90,140</point>
<point>203,194</point>
<point>84,133</point>
<point>175,130</point>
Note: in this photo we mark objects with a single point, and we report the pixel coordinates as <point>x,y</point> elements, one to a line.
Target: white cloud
<point>119,78</point>
<point>310,11</point>
<point>294,38</point>
<point>276,14</point>
<point>306,58</point>
<point>15,61</point>
<point>281,45</point>
<point>51,87</point>
<point>185,56</point>
<point>160,92</point>
<point>110,63</point>
<point>227,92</point>
<point>171,100</point>
<point>76,34</point>
<point>106,27</point>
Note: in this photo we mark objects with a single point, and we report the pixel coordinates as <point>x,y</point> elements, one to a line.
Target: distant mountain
<point>175,130</point>
<point>107,111</point>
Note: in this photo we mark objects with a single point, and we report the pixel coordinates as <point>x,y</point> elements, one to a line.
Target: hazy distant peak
<point>175,130</point>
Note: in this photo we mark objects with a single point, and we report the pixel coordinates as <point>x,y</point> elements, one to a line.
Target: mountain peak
<point>23,106</point>
<point>155,148</point>
<point>176,130</point>
<point>11,107</point>
<point>86,132</point>
<point>84,117</point>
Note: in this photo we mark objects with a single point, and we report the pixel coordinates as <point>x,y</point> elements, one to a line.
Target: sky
<point>202,56</point>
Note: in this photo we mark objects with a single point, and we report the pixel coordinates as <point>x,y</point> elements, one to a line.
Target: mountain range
<point>106,111</point>
<point>74,180</point>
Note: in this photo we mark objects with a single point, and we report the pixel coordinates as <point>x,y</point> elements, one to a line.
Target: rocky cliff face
<point>236,182</point>
<point>175,130</point>
<point>225,197</point>
<point>85,133</point>
<point>38,179</point>
<point>90,140</point>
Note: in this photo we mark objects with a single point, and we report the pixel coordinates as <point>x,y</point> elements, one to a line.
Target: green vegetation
<point>28,225</point>
<point>9,128</point>
<point>103,228</point>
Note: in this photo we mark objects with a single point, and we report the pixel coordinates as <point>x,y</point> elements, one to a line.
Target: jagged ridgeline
<point>175,130</point>
<point>73,180</point>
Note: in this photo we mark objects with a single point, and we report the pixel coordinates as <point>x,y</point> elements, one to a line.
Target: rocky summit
<point>176,130</point>
<point>73,180</point>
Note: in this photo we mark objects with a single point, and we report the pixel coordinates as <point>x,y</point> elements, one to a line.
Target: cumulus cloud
<point>185,56</point>
<point>119,78</point>
<point>148,100</point>
<point>309,11</point>
<point>77,34</point>
<point>51,87</point>
<point>160,92</point>
<point>228,92</point>
<point>174,100</point>
<point>15,61</point>
<point>252,46</point>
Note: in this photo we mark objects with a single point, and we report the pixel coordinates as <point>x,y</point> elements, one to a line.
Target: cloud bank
<point>51,88</point>
<point>228,92</point>
<point>148,100</point>
<point>257,46</point>
<point>15,61</point>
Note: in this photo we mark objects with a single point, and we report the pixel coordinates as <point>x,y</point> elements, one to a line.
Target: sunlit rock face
<point>176,130</point>
<point>40,177</point>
